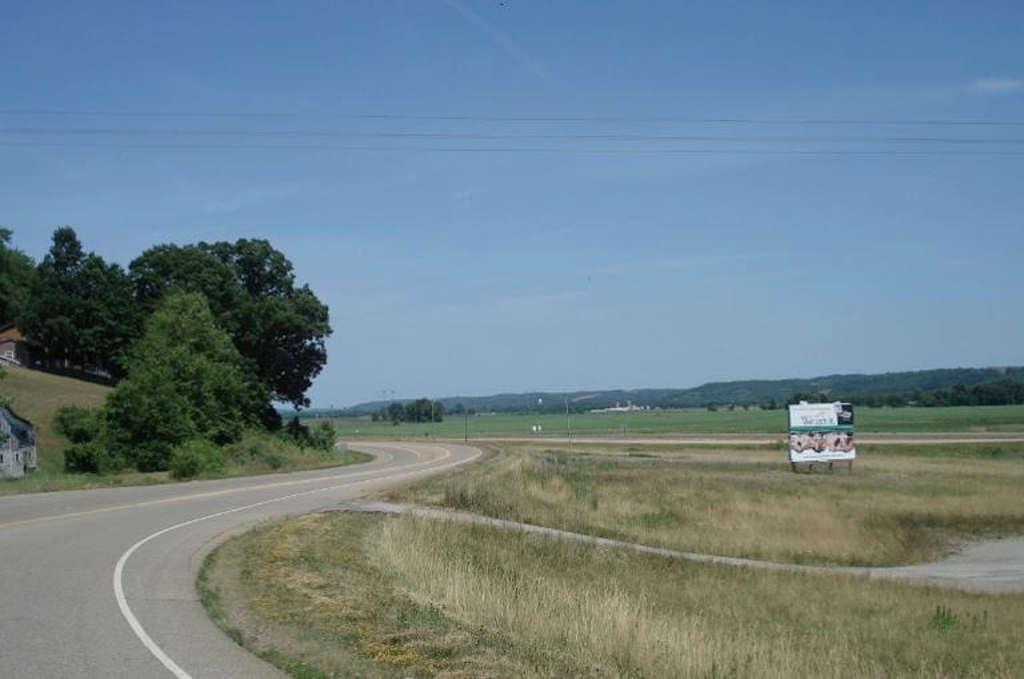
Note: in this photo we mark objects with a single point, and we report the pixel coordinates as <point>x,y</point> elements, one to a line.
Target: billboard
<point>821,432</point>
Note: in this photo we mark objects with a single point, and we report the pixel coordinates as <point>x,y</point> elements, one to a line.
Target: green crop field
<point>939,420</point>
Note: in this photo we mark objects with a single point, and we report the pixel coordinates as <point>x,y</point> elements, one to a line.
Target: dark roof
<point>10,331</point>
<point>21,429</point>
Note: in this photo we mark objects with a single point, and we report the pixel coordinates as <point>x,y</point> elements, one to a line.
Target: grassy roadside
<point>257,453</point>
<point>334,595</point>
<point>900,505</point>
<point>36,396</point>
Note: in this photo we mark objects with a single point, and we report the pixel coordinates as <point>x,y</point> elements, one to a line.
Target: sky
<point>521,195</point>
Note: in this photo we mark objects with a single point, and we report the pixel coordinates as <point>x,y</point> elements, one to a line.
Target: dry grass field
<point>900,504</point>
<point>336,595</point>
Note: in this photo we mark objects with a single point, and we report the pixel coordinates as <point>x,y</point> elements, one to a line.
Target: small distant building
<point>17,445</point>
<point>630,407</point>
<point>12,346</point>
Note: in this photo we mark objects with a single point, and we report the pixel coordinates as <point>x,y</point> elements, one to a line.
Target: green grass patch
<point>257,453</point>
<point>37,396</point>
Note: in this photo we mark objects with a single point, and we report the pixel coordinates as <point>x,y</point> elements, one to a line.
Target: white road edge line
<point>122,601</point>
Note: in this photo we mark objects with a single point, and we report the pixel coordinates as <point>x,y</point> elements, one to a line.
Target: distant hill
<point>36,396</point>
<point>743,392</point>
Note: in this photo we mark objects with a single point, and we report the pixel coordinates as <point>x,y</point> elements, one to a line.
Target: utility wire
<point>505,137</point>
<point>527,150</point>
<point>509,119</point>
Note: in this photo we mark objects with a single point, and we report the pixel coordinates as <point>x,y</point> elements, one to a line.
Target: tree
<point>188,268</point>
<point>110,322</point>
<point>395,413</point>
<point>423,410</point>
<point>279,329</point>
<point>185,381</point>
<point>81,311</point>
<point>17,271</point>
<point>49,320</point>
<point>325,435</point>
<point>960,395</point>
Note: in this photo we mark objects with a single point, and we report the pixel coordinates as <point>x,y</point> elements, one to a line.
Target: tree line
<point>420,410</point>
<point>999,392</point>
<point>200,341</point>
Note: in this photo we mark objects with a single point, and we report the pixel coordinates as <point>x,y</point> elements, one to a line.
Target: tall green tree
<point>49,321</point>
<point>186,268</point>
<point>395,413</point>
<point>185,381</point>
<point>279,328</point>
<point>81,311</point>
<point>424,410</point>
<point>17,271</point>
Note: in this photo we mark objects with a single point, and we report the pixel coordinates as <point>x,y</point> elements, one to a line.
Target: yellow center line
<point>231,491</point>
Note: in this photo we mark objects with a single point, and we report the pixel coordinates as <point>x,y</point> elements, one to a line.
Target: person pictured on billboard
<point>845,442</point>
<point>819,441</point>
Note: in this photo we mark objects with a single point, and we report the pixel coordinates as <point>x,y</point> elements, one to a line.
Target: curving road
<point>100,583</point>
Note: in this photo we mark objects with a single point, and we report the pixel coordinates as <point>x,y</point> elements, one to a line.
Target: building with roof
<point>17,445</point>
<point>13,348</point>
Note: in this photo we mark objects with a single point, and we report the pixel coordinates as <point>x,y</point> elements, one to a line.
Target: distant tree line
<point>200,340</point>
<point>999,392</point>
<point>420,410</point>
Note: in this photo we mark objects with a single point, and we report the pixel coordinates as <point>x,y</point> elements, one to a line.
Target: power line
<point>507,119</point>
<point>528,150</point>
<point>505,137</point>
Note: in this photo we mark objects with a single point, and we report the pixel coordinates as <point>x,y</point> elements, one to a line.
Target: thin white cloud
<point>536,304</point>
<point>512,49</point>
<point>464,199</point>
<point>999,85</point>
<point>232,202</point>
<point>646,266</point>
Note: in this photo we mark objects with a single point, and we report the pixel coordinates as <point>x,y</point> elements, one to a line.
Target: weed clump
<point>197,457</point>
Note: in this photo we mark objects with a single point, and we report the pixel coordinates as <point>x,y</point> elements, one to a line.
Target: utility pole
<point>568,428</point>
<point>465,415</point>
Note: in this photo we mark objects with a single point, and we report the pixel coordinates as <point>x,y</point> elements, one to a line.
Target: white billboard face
<point>821,432</point>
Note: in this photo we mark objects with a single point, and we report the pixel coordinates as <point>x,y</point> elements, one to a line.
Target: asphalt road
<point>101,583</point>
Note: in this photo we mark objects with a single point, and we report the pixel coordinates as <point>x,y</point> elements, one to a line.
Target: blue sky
<point>451,272</point>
